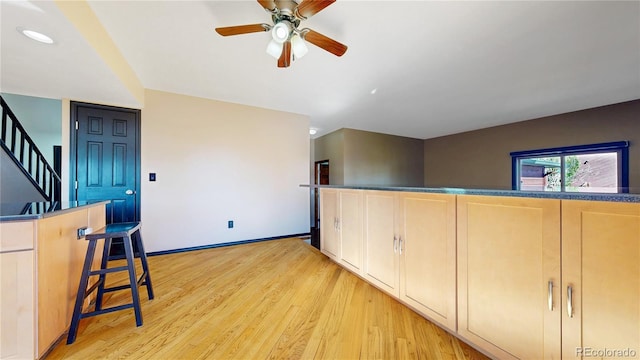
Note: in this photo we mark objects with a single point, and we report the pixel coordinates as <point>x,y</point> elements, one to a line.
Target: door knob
<point>129,192</point>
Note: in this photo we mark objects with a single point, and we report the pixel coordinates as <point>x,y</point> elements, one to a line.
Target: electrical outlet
<point>230,224</point>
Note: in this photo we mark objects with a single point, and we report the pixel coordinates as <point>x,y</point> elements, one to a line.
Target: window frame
<point>621,147</point>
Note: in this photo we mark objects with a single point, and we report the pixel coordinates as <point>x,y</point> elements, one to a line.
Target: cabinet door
<point>601,264</point>
<point>17,307</point>
<point>508,253</point>
<point>381,245</point>
<point>328,223</point>
<point>350,229</point>
<point>428,255</point>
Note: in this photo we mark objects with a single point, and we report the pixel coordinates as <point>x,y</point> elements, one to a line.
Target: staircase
<point>18,146</point>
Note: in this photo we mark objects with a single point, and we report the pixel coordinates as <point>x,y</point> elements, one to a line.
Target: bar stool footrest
<point>105,311</point>
<point>108,270</point>
<point>116,288</point>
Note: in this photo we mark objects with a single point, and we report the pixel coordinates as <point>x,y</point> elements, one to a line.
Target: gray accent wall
<point>331,147</point>
<point>480,158</point>
<point>381,159</point>
<point>15,188</point>
<point>359,157</point>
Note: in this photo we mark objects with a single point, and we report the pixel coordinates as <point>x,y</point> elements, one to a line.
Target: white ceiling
<point>439,67</point>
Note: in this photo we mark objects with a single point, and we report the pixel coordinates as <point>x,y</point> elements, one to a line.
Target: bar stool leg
<point>103,277</point>
<point>128,249</point>
<point>145,265</point>
<point>82,288</point>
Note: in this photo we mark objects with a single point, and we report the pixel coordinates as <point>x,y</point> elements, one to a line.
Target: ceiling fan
<point>287,39</point>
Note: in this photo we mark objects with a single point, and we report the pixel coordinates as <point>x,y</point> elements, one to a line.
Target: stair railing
<point>24,152</point>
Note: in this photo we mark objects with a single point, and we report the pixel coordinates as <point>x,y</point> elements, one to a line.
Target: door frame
<point>73,148</point>
<point>316,195</point>
<point>315,209</point>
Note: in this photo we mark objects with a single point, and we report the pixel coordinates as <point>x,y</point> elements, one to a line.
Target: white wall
<point>216,162</point>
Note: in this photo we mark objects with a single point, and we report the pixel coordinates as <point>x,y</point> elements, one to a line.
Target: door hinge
<point>76,184</point>
<point>77,125</point>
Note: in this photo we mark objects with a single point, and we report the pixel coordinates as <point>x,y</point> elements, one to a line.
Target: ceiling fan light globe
<point>298,47</point>
<point>280,32</point>
<point>274,49</point>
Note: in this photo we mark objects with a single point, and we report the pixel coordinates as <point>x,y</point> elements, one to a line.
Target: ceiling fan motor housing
<point>288,19</point>
<point>286,5</point>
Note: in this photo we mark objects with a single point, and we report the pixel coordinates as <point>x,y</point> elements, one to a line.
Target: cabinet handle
<point>550,296</point>
<point>337,224</point>
<point>395,244</point>
<point>400,241</point>
<point>570,301</point>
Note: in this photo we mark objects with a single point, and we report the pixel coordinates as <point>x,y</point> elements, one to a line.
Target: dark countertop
<point>614,197</point>
<point>39,210</point>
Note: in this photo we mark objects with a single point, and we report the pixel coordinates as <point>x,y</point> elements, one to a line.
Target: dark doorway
<point>105,160</point>
<point>321,177</point>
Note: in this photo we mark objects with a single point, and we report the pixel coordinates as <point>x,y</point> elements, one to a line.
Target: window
<point>596,168</point>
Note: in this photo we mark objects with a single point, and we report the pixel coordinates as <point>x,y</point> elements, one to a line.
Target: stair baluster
<point>46,180</point>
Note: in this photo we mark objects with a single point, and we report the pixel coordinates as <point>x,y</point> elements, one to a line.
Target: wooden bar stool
<point>129,232</point>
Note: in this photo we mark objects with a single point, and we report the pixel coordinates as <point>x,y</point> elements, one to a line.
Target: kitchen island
<point>42,251</point>
<point>530,275</point>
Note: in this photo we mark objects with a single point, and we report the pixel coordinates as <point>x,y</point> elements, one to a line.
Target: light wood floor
<point>279,299</point>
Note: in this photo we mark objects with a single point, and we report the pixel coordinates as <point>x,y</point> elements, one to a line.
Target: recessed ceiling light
<point>313,131</point>
<point>37,36</point>
<point>374,91</point>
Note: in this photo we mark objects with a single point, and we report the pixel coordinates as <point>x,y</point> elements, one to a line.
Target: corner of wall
<point>66,144</point>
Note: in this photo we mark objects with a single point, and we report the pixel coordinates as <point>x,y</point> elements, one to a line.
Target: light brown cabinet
<point>410,250</point>
<point>601,270</point>
<point>17,295</point>
<point>330,238</point>
<point>428,255</point>
<point>509,275</point>
<point>512,253</point>
<point>41,262</point>
<point>381,262</point>
<point>341,232</point>
<point>350,227</point>
<point>516,277</point>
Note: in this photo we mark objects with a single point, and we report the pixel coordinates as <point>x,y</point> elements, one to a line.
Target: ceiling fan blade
<point>324,42</point>
<point>269,5</point>
<point>308,8</point>
<point>285,57</point>
<point>242,29</point>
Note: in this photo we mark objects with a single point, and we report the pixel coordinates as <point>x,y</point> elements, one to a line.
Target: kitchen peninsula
<point>529,275</point>
<point>42,252</point>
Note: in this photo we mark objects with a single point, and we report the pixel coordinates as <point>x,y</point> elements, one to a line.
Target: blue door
<point>107,166</point>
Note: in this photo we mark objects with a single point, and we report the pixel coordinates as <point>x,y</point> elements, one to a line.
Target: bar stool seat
<point>129,232</point>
